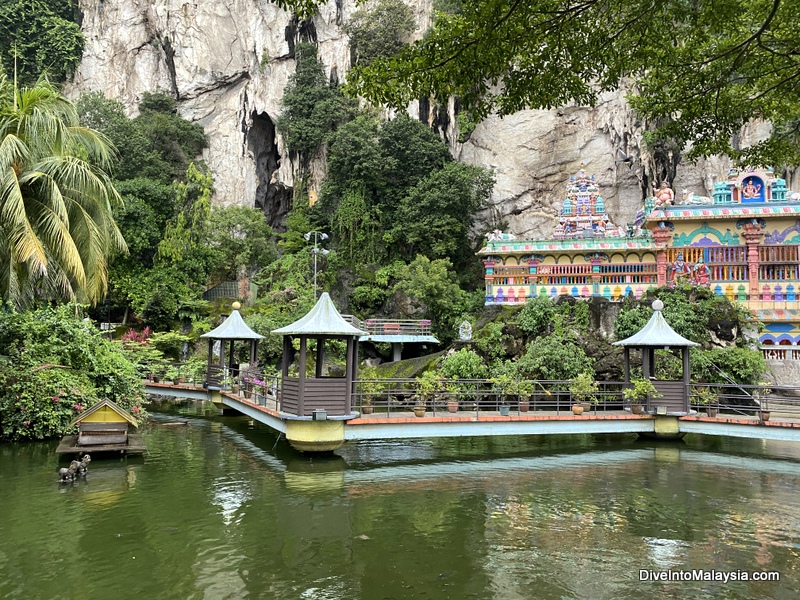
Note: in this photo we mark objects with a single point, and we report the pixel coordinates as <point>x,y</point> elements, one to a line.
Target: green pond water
<point>219,509</point>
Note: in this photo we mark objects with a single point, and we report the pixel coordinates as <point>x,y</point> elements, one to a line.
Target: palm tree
<point>56,226</point>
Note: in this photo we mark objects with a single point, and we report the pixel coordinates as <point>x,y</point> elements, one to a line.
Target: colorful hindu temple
<point>742,243</point>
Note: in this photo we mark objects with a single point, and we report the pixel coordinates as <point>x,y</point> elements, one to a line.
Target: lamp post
<point>316,251</point>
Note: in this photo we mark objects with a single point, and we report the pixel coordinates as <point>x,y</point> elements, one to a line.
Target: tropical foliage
<point>700,71</point>
<point>39,36</point>
<point>53,365</point>
<point>56,199</point>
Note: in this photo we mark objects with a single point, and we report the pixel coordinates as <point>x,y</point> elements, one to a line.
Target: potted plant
<point>639,391</point>
<point>705,396</point>
<point>506,385</point>
<point>758,395</point>
<point>172,374</point>
<point>583,389</point>
<point>369,391</point>
<point>428,386</point>
<point>525,389</point>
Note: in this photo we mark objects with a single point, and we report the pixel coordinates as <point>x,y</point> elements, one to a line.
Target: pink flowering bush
<point>54,367</point>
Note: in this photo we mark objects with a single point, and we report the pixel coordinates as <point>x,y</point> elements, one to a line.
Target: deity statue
<point>465,331</point>
<point>679,270</point>
<point>664,196</point>
<point>751,190</point>
<point>701,273</point>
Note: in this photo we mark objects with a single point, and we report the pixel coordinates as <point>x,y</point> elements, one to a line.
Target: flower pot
<point>419,411</point>
<point>452,406</point>
<point>524,405</point>
<point>505,410</point>
<point>587,406</point>
<point>637,409</point>
<point>156,379</point>
<point>235,389</point>
<point>367,410</point>
<point>763,415</point>
<point>577,409</point>
<point>712,411</point>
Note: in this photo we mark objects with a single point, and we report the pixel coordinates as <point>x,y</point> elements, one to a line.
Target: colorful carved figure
<point>701,273</point>
<point>751,190</point>
<point>664,196</point>
<point>691,198</point>
<point>680,271</point>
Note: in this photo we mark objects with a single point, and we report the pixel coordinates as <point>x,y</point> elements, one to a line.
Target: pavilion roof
<point>323,319</point>
<point>233,328</point>
<point>657,333</point>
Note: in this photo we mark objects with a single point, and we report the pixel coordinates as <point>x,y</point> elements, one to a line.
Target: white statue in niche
<point>465,331</point>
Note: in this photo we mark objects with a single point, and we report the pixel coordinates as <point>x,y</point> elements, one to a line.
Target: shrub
<point>536,315</point>
<point>55,366</point>
<point>554,357</point>
<point>464,364</point>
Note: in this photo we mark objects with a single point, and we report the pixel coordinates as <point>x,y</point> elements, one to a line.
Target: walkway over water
<point>400,423</point>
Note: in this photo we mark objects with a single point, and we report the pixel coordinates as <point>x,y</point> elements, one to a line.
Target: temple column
<point>532,264</point>
<point>752,235</point>
<point>661,236</point>
<point>596,276</point>
<point>488,265</point>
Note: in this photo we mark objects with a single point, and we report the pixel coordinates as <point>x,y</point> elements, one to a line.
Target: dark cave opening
<point>272,197</point>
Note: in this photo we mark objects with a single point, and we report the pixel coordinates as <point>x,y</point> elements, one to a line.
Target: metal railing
<point>391,326</point>
<point>742,400</point>
<point>399,397</point>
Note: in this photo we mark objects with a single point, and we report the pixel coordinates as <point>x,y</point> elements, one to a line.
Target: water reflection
<point>222,508</point>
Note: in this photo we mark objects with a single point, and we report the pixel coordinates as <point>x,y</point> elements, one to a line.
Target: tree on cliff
<point>56,226</point>
<point>42,36</point>
<point>699,70</point>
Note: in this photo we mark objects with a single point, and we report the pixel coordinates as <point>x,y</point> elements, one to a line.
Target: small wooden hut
<point>303,395</point>
<point>103,427</point>
<point>655,335</point>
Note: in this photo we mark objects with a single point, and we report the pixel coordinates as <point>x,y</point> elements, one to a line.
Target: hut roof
<point>233,328</point>
<point>112,405</point>
<point>657,333</point>
<point>323,319</point>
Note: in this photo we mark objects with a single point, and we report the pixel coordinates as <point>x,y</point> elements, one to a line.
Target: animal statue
<point>497,235</point>
<point>691,198</point>
<point>794,196</point>
<point>75,469</point>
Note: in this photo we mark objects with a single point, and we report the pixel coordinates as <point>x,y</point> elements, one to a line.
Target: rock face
<point>227,64</point>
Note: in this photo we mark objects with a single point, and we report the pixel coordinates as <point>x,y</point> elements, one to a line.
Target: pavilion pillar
<point>397,349</point>
<point>253,354</point>
<point>626,352</point>
<point>209,363</point>
<point>301,379</point>
<point>350,375</point>
<point>287,347</point>
<point>687,379</point>
<point>320,357</point>
<point>752,235</point>
<point>230,358</point>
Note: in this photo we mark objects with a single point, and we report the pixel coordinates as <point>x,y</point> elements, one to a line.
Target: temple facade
<point>742,243</point>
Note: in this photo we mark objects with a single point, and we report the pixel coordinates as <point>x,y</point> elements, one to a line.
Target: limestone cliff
<point>228,61</point>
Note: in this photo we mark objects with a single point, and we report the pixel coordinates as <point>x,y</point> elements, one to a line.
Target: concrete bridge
<point>323,433</point>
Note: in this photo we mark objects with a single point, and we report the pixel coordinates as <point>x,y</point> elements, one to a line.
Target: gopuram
<point>741,243</point>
